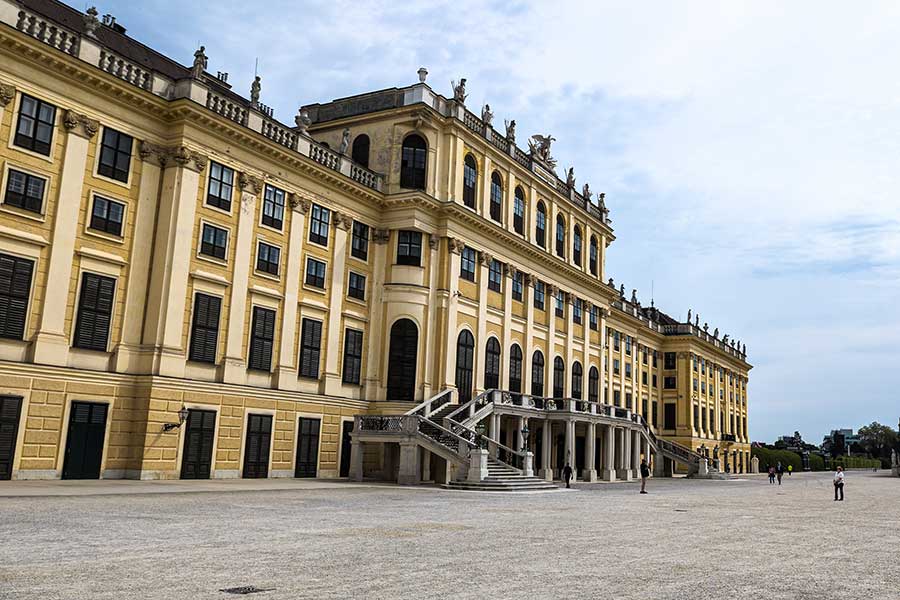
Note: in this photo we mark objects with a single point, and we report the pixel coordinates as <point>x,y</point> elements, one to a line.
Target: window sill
<point>212,259</point>
<point>217,209</point>
<point>125,184</point>
<point>312,288</point>
<point>361,302</point>
<point>24,213</point>
<point>271,228</point>
<point>267,275</point>
<point>44,157</point>
<point>108,237</point>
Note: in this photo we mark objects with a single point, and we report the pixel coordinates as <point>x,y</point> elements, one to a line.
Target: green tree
<point>878,439</point>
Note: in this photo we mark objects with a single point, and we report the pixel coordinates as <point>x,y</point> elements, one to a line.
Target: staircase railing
<point>514,458</point>
<point>431,405</point>
<point>467,410</point>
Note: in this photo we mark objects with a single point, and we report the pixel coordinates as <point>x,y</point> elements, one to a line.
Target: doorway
<point>346,430</point>
<point>84,442</point>
<point>307,448</point>
<point>196,462</point>
<point>10,408</point>
<point>256,451</point>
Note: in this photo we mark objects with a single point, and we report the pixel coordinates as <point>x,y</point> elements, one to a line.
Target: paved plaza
<point>737,539</point>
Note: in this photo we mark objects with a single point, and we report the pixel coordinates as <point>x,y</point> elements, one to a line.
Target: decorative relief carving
<point>486,258</point>
<point>7,93</point>
<point>187,158</point>
<point>80,124</point>
<point>433,241</point>
<point>455,245</point>
<point>381,236</point>
<point>342,220</point>
<point>512,271</point>
<point>250,183</point>
<point>149,151</point>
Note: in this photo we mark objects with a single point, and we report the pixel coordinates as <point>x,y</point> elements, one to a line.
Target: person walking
<point>772,475</point>
<point>645,473</point>
<point>567,473</point>
<point>779,471</point>
<point>839,484</point>
<point>790,470</point>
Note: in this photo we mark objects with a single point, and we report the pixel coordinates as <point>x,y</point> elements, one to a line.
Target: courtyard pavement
<point>740,539</point>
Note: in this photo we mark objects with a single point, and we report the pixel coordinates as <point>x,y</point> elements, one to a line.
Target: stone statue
<point>510,131</point>
<point>91,22</point>
<point>345,141</point>
<point>622,290</point>
<point>570,177</point>
<point>539,145</point>
<point>459,91</point>
<point>611,283</point>
<point>422,73</point>
<point>302,120</point>
<point>716,333</point>
<point>634,299</point>
<point>689,316</point>
<point>744,349</point>
<point>725,339</point>
<point>255,88</point>
<point>486,115</point>
<point>200,63</point>
<point>705,327</point>
<point>586,192</point>
<point>697,320</point>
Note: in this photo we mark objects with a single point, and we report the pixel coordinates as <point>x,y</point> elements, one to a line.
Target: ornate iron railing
<point>391,423</point>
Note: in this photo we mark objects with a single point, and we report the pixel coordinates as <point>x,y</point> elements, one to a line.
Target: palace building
<point>387,286</point>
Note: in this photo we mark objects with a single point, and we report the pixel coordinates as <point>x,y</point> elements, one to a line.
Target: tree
<point>877,439</point>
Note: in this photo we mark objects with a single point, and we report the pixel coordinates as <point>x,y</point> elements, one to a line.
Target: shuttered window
<point>262,337</point>
<point>310,348</point>
<point>352,356</point>
<point>15,287</point>
<point>205,328</point>
<point>95,306</point>
<point>115,155</point>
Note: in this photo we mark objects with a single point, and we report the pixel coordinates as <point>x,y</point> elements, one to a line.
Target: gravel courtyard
<point>737,539</point>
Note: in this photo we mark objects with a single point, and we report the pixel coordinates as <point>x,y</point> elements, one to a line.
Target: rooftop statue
<point>539,146</point>
<point>716,333</point>
<point>422,73</point>
<point>586,192</point>
<point>200,63</point>
<point>570,177</point>
<point>689,316</point>
<point>302,120</point>
<point>725,339</point>
<point>697,320</point>
<point>459,91</point>
<point>622,290</point>
<point>255,88</point>
<point>634,299</point>
<point>486,115</point>
<point>744,349</point>
<point>511,131</point>
<point>345,141</point>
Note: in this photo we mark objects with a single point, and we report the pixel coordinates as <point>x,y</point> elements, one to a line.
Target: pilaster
<point>430,381</point>
<point>481,335</point>
<point>609,454</point>
<point>507,328</point>
<point>454,247</point>
<point>286,371</point>
<point>342,224</point>
<point>528,346</point>
<point>590,440</point>
<point>546,443</point>
<point>376,344</point>
<point>550,307</point>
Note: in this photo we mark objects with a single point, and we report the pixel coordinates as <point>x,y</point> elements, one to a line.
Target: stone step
<point>486,486</point>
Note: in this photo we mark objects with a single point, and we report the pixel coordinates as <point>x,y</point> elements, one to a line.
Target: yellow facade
<point>184,126</point>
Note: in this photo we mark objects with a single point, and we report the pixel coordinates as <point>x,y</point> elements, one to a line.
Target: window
<point>262,336</point>
<point>495,275</point>
<point>519,211</point>
<point>593,384</point>
<point>537,374</point>
<point>576,250</point>
<point>359,242</point>
<point>414,155</point>
<point>644,355</point>
<point>628,370</point>
<point>617,397</point>
<point>669,361</point>
<point>577,311</point>
<point>655,382</point>
<point>628,400</point>
<point>515,368</point>
<point>352,356</point>
<point>15,288</point>
<point>496,197</point>
<point>273,207</point>
<point>402,359</point>
<point>518,285</point>
<point>360,152</point>
<point>628,345</point>
<point>712,421</point>
<point>467,264</point>
<point>616,338</point>
<point>115,155</point>
<point>214,241</point>
<point>107,216</point>
<point>645,407</point>
<point>409,248</point>
<point>560,310</point>
<point>221,186</point>
<point>595,318</point>
<point>315,273</point>
<point>205,328</point>
<point>592,256</point>
<point>470,180</point>
<point>655,420</point>
<point>465,355</point>
<point>576,380</point>
<point>559,377</point>
<point>34,130</point>
<point>696,385</point>
<point>616,369</point>
<point>703,387</point>
<point>268,258</point>
<point>95,306</point>
<point>655,354</point>
<point>644,377</point>
<point>560,236</point>
<point>669,416</point>
<point>310,347</point>
<point>539,294</point>
<point>696,418</point>
<point>318,225</point>
<point>25,191</point>
<point>540,226</point>
<point>492,364</point>
<point>357,287</point>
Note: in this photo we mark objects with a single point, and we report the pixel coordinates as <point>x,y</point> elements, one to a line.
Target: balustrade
<point>48,33</point>
<point>324,156</point>
<point>126,70</point>
<point>280,135</point>
<point>227,108</point>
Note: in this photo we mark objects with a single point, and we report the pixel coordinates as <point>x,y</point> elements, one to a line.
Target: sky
<point>749,151</point>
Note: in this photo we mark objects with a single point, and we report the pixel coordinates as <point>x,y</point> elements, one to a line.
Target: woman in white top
<point>839,483</point>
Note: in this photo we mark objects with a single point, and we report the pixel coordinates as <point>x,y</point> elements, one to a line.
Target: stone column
<point>454,247</point>
<point>429,337</point>
<point>546,441</point>
<point>481,335</point>
<point>376,344</point>
<point>172,251</point>
<point>570,448</point>
<point>635,453</point>
<point>520,439</point>
<point>235,366</point>
<point>495,434</point>
<point>342,223</point>
<point>609,454</point>
<point>356,461</point>
<point>51,342</point>
<point>409,463</point>
<point>590,471</point>
<point>426,465</point>
<point>287,356</point>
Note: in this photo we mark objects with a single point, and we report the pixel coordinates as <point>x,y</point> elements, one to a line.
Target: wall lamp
<point>182,417</point>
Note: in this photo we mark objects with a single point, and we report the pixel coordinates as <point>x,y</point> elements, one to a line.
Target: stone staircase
<point>502,478</point>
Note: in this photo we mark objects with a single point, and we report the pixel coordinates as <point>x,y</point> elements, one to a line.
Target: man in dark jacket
<point>645,473</point>
<point>567,474</point>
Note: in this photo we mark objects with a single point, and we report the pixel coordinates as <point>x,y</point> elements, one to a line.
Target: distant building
<point>840,441</point>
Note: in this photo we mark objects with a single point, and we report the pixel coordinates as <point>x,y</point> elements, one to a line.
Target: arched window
<point>470,179</point>
<point>402,358</point>
<point>560,236</point>
<point>413,158</point>
<point>465,356</point>
<point>519,211</point>
<point>492,364</point>
<point>593,384</point>
<point>360,151</point>
<point>559,377</point>
<point>576,380</point>
<point>515,369</point>
<point>594,252</point>
<point>576,241</point>
<point>496,197</point>
<point>540,227</point>
<point>537,374</point>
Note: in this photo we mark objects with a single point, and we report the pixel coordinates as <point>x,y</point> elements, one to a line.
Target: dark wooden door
<point>196,461</point>
<point>10,407</point>
<point>307,448</point>
<point>347,429</point>
<point>402,359</point>
<point>84,444</point>
<point>256,452</point>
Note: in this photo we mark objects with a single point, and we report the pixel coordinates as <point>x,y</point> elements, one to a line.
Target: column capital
<point>179,155</point>
<point>342,221</point>
<point>433,241</point>
<point>250,183</point>
<point>455,245</point>
<point>486,258</point>
<point>152,152</point>
<point>512,271</point>
<point>7,93</point>
<point>381,236</point>
<point>299,203</point>
<point>80,124</point>
<point>529,279</point>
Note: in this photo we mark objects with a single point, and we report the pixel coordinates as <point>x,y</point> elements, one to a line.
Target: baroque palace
<point>388,287</point>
